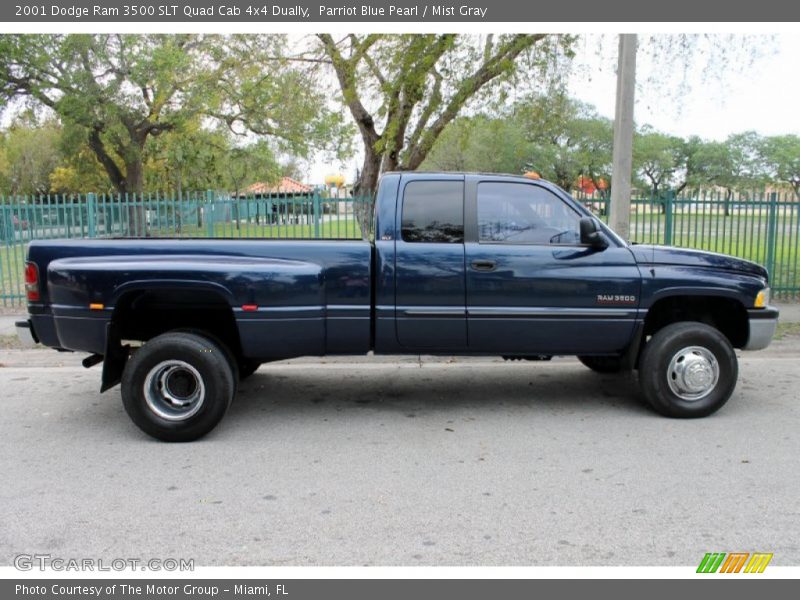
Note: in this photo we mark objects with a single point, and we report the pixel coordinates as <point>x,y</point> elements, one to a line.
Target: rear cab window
<point>433,212</point>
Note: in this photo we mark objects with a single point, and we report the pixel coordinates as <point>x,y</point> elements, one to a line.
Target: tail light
<point>32,282</point>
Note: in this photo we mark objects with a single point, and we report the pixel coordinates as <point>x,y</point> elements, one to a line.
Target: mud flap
<point>114,360</point>
<point>630,358</point>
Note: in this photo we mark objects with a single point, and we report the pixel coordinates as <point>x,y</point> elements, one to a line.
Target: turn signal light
<point>762,298</point>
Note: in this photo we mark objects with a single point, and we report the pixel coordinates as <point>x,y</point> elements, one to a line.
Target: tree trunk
<point>366,185</point>
<point>371,171</point>
<point>727,205</point>
<point>134,187</point>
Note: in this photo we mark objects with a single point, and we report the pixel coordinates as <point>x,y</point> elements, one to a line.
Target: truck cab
<point>491,264</point>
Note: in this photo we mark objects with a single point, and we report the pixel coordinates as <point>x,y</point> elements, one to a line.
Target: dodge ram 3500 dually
<point>460,264</point>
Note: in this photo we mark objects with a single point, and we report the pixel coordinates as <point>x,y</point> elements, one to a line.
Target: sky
<point>763,96</point>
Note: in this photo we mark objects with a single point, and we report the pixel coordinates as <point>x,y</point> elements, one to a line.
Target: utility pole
<point>620,213</point>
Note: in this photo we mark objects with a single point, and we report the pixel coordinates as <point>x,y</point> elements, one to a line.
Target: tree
<point>194,160</point>
<point>248,164</point>
<point>30,155</point>
<point>480,143</point>
<point>781,155</point>
<point>568,140</point>
<point>657,157</point>
<point>596,149</point>
<point>418,84</point>
<point>78,170</point>
<point>561,139</point>
<point>731,165</point>
<point>123,90</point>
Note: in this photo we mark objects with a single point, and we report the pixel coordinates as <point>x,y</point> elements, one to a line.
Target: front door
<point>532,288</point>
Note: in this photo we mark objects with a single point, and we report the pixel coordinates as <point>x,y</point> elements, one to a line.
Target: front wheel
<point>688,370</point>
<point>178,386</point>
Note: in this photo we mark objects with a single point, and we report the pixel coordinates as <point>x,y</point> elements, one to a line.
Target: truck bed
<point>288,297</point>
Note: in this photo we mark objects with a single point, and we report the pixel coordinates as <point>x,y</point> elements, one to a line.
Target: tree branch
<point>497,64</point>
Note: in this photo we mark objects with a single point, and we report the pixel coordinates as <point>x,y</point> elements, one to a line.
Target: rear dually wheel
<point>178,386</point>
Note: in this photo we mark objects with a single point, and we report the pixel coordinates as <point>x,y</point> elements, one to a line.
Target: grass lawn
<point>741,235</point>
<point>12,268</point>
<point>787,330</point>
<point>340,229</point>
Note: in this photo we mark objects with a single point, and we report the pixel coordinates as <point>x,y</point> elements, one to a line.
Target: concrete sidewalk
<point>790,313</point>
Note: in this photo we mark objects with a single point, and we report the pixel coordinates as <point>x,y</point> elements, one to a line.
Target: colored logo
<point>734,562</point>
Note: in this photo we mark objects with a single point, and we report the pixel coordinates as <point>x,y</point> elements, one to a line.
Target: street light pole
<point>620,213</point>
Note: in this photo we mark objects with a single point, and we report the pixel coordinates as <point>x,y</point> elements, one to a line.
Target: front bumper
<point>26,334</point>
<point>763,322</point>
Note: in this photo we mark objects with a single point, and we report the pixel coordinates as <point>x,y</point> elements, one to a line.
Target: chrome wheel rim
<point>693,373</point>
<point>174,390</point>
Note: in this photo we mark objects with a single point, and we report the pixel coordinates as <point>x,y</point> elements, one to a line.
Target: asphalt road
<point>404,462</point>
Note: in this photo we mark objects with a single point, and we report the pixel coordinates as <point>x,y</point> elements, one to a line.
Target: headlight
<point>762,298</point>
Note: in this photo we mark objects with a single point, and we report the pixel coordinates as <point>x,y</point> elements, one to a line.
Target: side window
<point>433,212</point>
<point>519,213</point>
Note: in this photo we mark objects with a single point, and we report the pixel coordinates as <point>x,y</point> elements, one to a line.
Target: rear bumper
<point>763,322</point>
<point>26,334</point>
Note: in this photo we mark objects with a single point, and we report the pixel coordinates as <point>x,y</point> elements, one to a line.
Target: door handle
<point>484,265</point>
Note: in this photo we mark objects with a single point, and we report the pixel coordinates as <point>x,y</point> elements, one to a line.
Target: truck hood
<point>668,255</point>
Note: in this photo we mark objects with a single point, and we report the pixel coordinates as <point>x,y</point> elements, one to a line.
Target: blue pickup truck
<point>456,264</point>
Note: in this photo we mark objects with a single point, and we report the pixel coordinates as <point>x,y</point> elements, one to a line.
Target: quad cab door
<point>532,287</point>
<point>430,287</point>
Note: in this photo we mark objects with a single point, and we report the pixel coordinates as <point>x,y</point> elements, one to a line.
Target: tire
<point>247,367</point>
<point>224,347</point>
<point>202,381</point>
<point>602,364</point>
<point>688,370</point>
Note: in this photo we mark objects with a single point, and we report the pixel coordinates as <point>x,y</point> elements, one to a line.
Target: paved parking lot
<point>409,462</point>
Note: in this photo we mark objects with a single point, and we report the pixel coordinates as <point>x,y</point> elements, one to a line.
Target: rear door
<point>532,288</point>
<point>430,283</point>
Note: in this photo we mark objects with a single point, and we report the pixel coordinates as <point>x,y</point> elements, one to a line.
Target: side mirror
<point>591,234</point>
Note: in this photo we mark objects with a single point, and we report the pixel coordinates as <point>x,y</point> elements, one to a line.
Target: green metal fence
<point>200,215</point>
<point>759,226</point>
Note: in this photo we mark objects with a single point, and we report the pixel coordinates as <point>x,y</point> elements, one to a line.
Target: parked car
<point>464,264</point>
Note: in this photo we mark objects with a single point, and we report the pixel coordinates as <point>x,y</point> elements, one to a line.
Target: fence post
<point>316,214</point>
<point>91,214</point>
<point>668,218</point>
<point>771,237</point>
<point>209,210</point>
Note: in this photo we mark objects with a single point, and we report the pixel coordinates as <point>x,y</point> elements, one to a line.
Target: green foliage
<point>733,164</point>
<point>246,165</point>
<point>404,90</point>
<point>29,154</point>
<point>781,156</point>
<point>479,144</point>
<point>559,138</point>
<point>568,140</point>
<point>657,158</point>
<point>121,91</point>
